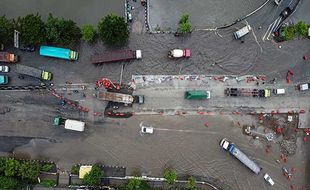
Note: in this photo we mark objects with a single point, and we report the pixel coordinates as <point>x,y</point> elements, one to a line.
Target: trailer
<point>8,57</point>
<point>116,97</point>
<point>235,92</point>
<point>114,56</point>
<point>34,72</point>
<point>57,52</point>
<point>233,150</point>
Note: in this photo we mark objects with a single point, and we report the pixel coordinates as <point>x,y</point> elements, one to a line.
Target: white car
<point>268,179</point>
<point>146,129</point>
<point>4,69</point>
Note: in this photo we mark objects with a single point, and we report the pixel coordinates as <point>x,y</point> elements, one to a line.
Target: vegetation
<point>11,167</point>
<point>184,24</point>
<point>94,176</point>
<point>29,170</point>
<point>88,33</point>
<point>113,30</point>
<point>75,169</point>
<point>48,183</point>
<point>300,29</point>
<point>6,30</point>
<point>47,167</point>
<point>32,29</point>
<point>170,175</point>
<point>10,183</point>
<point>61,31</point>
<point>191,184</point>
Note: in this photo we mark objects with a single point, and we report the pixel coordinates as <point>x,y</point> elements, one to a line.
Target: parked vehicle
<point>114,56</point>
<point>57,52</point>
<point>235,92</point>
<point>279,91</point>
<point>268,179</point>
<point>146,129</point>
<point>242,32</point>
<point>286,12</point>
<point>27,48</point>
<point>129,17</point>
<point>8,57</point>
<point>233,150</point>
<point>4,79</point>
<point>178,53</point>
<point>304,86</point>
<point>126,99</point>
<point>197,95</point>
<point>4,69</point>
<point>69,124</point>
<point>34,72</point>
<point>139,99</point>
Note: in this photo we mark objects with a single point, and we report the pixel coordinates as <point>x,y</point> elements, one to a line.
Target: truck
<point>178,53</point>
<point>57,52</point>
<point>242,32</point>
<point>4,79</point>
<point>34,72</point>
<point>126,99</point>
<point>197,94</point>
<point>69,124</point>
<point>114,56</point>
<point>233,150</point>
<point>8,57</point>
<point>304,86</point>
<point>235,92</point>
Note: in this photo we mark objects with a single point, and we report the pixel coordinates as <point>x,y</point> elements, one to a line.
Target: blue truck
<point>4,79</point>
<point>233,150</point>
<point>57,52</point>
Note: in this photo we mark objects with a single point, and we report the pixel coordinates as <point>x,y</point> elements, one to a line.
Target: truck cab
<point>224,144</point>
<point>4,79</point>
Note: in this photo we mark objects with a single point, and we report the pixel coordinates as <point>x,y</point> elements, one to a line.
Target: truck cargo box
<point>113,56</point>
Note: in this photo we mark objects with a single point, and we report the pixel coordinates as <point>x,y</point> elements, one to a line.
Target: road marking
<point>272,28</point>
<point>185,131</point>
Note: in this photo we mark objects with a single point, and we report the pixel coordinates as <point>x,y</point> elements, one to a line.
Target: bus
<point>57,52</point>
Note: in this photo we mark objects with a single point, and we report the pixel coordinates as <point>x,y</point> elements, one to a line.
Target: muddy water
<point>81,11</point>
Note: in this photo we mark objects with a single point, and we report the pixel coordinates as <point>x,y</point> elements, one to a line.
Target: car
<point>268,179</point>
<point>129,17</point>
<point>286,12</point>
<point>27,48</point>
<point>146,129</point>
<point>279,91</point>
<point>4,69</point>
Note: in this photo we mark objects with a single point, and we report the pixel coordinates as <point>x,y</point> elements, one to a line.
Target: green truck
<point>4,80</point>
<point>197,94</point>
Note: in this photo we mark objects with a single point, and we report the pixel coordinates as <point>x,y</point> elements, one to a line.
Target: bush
<point>48,183</point>
<point>170,176</point>
<point>29,170</point>
<point>10,183</point>
<point>191,184</point>
<point>32,29</point>
<point>301,28</point>
<point>6,30</point>
<point>75,170</point>
<point>88,33</point>
<point>113,30</point>
<point>93,177</point>
<point>184,24</point>
<point>11,167</point>
<point>47,167</point>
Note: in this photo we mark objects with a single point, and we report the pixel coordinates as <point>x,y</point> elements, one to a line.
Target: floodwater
<point>80,11</point>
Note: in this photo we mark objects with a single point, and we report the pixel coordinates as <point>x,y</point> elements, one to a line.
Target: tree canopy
<point>94,176</point>
<point>170,175</point>
<point>29,170</point>
<point>32,29</point>
<point>88,33</point>
<point>6,30</point>
<point>184,24</point>
<point>113,30</point>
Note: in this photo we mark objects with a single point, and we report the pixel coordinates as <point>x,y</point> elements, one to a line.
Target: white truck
<point>178,53</point>
<point>304,86</point>
<point>242,32</point>
<point>69,124</point>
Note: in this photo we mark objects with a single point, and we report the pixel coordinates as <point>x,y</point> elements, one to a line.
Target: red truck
<point>114,56</point>
<point>8,57</point>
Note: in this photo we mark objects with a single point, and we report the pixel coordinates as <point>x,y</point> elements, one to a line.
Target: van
<point>279,91</point>
<point>243,31</point>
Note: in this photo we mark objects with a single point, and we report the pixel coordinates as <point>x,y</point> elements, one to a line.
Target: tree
<point>170,176</point>
<point>9,183</point>
<point>133,184</point>
<point>6,30</point>
<point>11,167</point>
<point>184,24</point>
<point>191,183</point>
<point>47,167</point>
<point>29,170</point>
<point>62,32</point>
<point>2,165</point>
<point>301,28</point>
<point>88,33</point>
<point>32,29</point>
<point>113,30</point>
<point>93,177</point>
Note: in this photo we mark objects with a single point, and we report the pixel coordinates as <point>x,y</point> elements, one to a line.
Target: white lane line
<point>271,27</point>
<point>267,32</point>
<point>277,22</point>
<point>185,131</point>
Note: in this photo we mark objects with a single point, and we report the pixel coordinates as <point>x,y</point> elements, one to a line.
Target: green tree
<point>113,30</point>
<point>6,30</point>
<point>47,167</point>
<point>29,170</point>
<point>133,184</point>
<point>88,33</point>
<point>62,32</point>
<point>2,165</point>
<point>75,169</point>
<point>32,29</point>
<point>184,24</point>
<point>94,176</point>
<point>10,183</point>
<point>170,175</point>
<point>301,28</point>
<point>289,32</point>
<point>191,183</point>
<point>11,167</point>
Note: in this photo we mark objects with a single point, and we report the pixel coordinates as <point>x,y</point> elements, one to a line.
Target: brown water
<point>80,11</point>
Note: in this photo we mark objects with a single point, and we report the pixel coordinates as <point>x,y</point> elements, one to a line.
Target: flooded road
<point>80,11</point>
